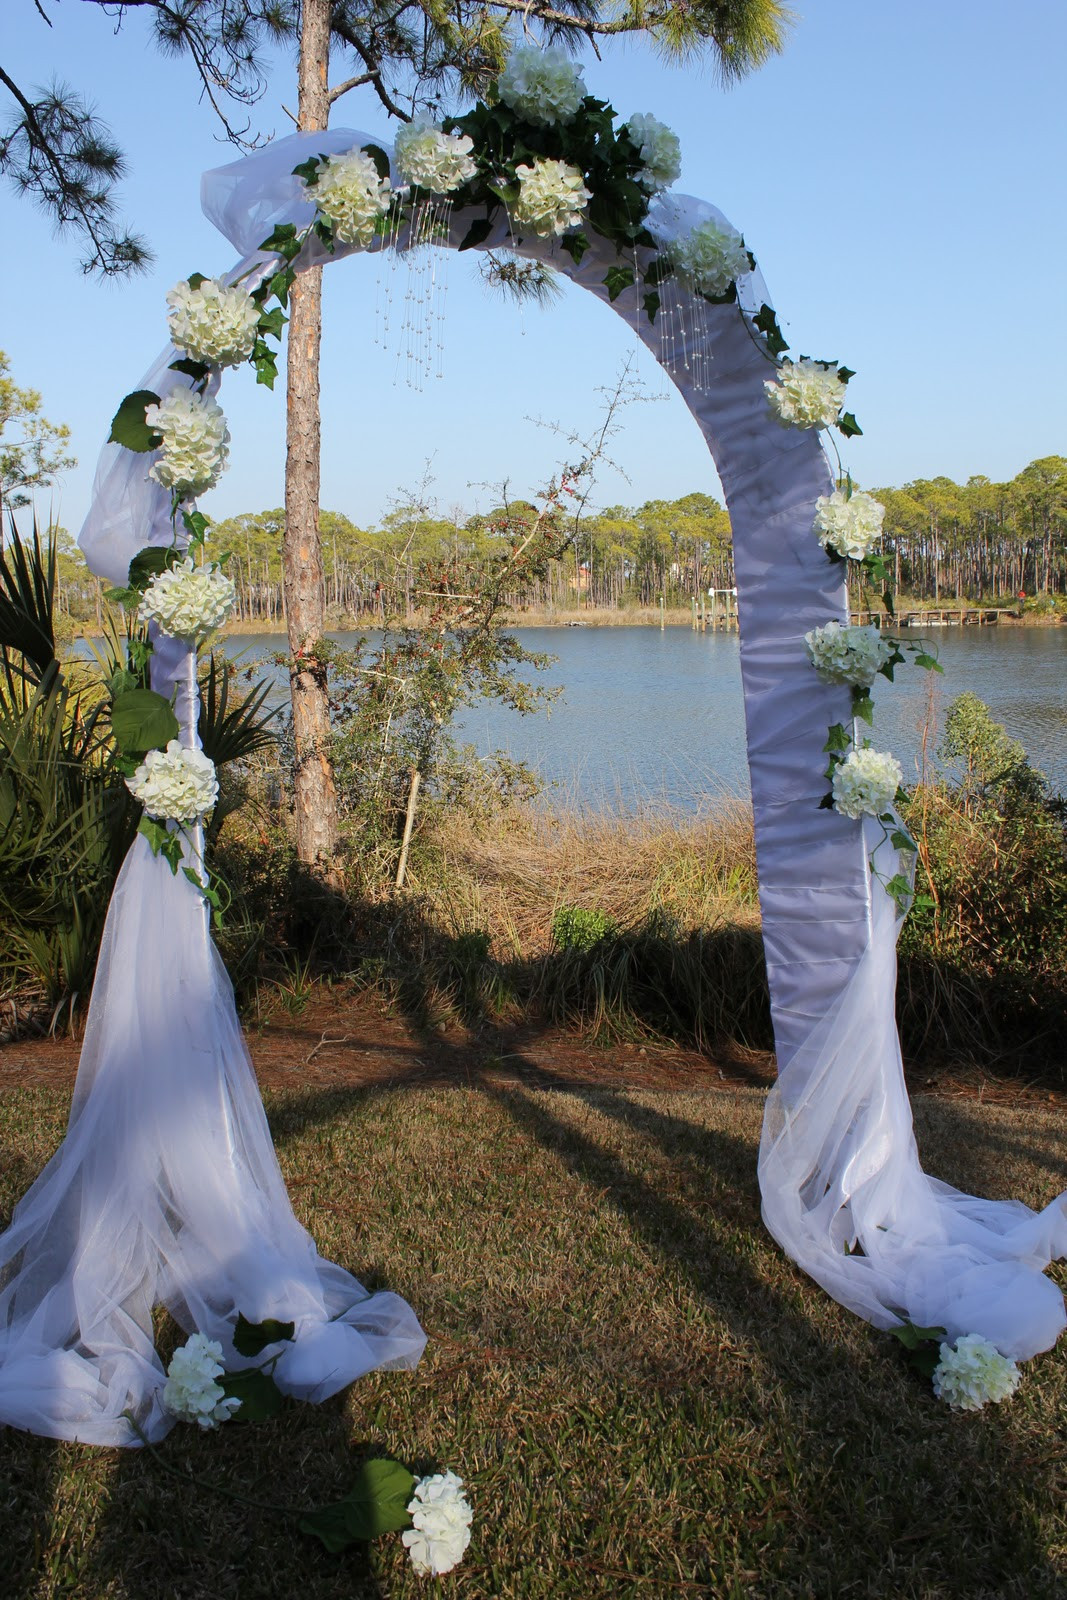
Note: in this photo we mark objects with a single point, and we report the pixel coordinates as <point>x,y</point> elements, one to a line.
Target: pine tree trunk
<point>314,792</point>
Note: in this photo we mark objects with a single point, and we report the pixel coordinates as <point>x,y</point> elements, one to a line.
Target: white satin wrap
<point>167,1189</point>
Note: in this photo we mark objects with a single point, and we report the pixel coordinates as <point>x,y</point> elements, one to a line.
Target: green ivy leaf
<point>281,283</point>
<point>308,171</point>
<point>617,279</point>
<point>272,322</point>
<point>195,279</point>
<point>162,841</point>
<point>838,738</point>
<point>826,803</point>
<point>208,892</point>
<point>376,1503</point>
<point>259,1395</point>
<point>284,241</point>
<point>322,228</point>
<point>863,705</point>
<point>658,271</point>
<point>128,426</point>
<point>931,663</point>
<point>196,526</point>
<point>197,370</point>
<point>651,303</point>
<point>845,373</point>
<point>923,1346</point>
<point>149,563</point>
<point>899,890</point>
<point>767,323</point>
<point>265,361</point>
<point>380,159</point>
<point>252,1338</point>
<point>902,841</point>
<point>848,425</point>
<point>477,233</point>
<point>142,720</point>
<point>575,244</point>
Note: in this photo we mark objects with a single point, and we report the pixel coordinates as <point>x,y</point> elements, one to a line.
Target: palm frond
<point>27,599</point>
<point>232,732</point>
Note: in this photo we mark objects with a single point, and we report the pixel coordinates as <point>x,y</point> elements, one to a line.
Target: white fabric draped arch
<point>167,1189</point>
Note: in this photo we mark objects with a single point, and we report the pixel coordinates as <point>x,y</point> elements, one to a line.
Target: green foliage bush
<point>984,967</point>
<point>580,928</point>
<point>67,818</point>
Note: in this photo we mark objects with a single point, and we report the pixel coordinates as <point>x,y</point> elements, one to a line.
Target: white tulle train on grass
<point>167,1191</point>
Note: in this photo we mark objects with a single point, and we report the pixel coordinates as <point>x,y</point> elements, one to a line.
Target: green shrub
<point>984,963</point>
<point>580,928</point>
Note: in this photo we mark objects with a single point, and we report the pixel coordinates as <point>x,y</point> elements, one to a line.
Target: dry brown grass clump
<point>691,872</point>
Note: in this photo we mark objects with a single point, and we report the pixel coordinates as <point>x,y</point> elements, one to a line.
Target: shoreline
<point>634,618</point>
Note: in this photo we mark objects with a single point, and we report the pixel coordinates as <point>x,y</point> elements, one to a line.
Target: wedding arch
<point>167,1189</point>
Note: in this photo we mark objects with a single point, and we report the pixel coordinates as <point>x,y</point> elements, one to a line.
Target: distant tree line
<point>978,541</point>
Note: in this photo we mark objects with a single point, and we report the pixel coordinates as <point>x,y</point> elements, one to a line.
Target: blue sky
<point>898,173</point>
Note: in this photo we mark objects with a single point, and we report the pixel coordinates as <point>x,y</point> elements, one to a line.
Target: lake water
<point>647,716</point>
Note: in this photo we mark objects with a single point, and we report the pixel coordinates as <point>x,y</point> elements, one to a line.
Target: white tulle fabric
<point>167,1190</point>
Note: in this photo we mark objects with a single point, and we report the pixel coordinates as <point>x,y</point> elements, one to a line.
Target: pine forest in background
<point>978,542</point>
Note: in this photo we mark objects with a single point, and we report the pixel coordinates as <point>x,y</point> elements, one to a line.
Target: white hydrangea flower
<point>193,454</point>
<point>552,197</point>
<point>188,601</point>
<point>350,193</point>
<point>848,655</point>
<point>433,159</point>
<point>709,258</point>
<point>542,86</point>
<point>213,323</point>
<point>191,1393</point>
<point>177,784</point>
<point>850,525</point>
<point>660,150</point>
<point>866,782</point>
<point>973,1374</point>
<point>808,394</point>
<point>442,1524</point>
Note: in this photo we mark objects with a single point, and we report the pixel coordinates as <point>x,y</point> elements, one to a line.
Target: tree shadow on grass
<point>893,1494</point>
<point>159,1538</point>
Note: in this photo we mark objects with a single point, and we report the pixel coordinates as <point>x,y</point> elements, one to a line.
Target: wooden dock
<point>952,617</point>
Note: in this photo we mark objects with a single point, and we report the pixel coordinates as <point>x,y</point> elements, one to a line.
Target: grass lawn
<point>644,1397</point>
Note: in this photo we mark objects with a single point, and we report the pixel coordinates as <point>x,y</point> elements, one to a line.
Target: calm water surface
<point>647,716</point>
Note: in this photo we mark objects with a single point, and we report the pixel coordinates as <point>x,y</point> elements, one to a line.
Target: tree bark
<point>314,790</point>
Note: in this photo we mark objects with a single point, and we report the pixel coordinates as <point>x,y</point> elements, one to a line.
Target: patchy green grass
<point>646,1399</point>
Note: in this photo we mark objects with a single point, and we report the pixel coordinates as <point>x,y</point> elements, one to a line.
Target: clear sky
<point>898,172</point>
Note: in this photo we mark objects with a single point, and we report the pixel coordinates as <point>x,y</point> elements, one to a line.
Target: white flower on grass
<point>542,86</point>
<point>193,454</point>
<point>850,525</point>
<point>213,323</point>
<point>191,1393</point>
<point>808,394</point>
<point>552,197</point>
<point>660,150</point>
<point>177,784</point>
<point>188,601</point>
<point>866,782</point>
<point>434,160</point>
<point>709,258</point>
<point>350,193</point>
<point>442,1524</point>
<point>973,1374</point>
<point>847,655</point>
